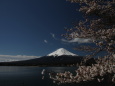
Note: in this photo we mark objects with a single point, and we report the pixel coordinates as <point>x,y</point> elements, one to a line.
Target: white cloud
<point>78,40</point>
<point>4,58</point>
<point>45,41</point>
<point>53,35</point>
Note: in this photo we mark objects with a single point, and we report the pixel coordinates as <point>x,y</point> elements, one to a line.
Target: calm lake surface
<point>29,76</point>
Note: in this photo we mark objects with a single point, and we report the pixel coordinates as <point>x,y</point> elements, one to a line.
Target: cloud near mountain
<point>7,58</point>
<point>78,40</point>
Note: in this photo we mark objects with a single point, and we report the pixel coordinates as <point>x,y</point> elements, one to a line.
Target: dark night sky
<point>34,27</point>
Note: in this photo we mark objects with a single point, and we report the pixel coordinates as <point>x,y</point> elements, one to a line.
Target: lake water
<point>28,76</point>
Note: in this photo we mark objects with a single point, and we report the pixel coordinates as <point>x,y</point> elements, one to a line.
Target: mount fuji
<point>60,57</point>
<point>61,52</point>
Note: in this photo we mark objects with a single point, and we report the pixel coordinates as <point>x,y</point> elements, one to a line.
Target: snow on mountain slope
<point>60,52</point>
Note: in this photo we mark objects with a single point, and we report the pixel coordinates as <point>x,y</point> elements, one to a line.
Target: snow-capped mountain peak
<point>60,52</point>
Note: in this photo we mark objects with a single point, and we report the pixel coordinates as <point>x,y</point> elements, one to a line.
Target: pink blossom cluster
<point>86,73</point>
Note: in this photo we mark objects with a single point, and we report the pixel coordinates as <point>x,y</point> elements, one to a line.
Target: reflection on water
<point>28,76</point>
